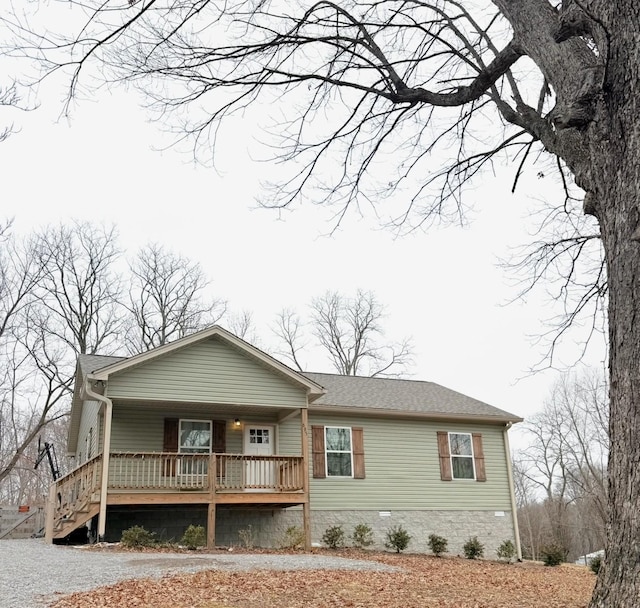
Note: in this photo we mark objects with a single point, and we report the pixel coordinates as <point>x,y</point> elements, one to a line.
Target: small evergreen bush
<point>473,548</point>
<point>397,538</point>
<point>293,538</point>
<point>194,537</point>
<point>506,550</point>
<point>333,537</point>
<point>137,536</point>
<point>552,555</point>
<point>595,563</point>
<point>437,544</point>
<point>362,536</point>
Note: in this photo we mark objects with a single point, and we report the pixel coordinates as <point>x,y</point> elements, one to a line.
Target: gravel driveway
<point>33,573</point>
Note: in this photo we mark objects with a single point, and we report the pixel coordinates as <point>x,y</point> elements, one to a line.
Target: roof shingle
<point>406,396</point>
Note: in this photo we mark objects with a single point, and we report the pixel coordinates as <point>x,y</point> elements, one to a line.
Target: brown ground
<point>426,582</point>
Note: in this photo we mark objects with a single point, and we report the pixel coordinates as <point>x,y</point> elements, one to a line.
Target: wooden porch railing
<point>239,472</point>
<point>233,472</point>
<point>75,498</point>
<point>158,471</point>
<point>78,488</point>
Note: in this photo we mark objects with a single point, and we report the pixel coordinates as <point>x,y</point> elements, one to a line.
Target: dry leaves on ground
<point>425,582</point>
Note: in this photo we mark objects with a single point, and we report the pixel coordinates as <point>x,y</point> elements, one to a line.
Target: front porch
<point>153,478</point>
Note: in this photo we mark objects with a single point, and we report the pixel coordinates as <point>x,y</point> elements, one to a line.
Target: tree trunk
<point>615,163</point>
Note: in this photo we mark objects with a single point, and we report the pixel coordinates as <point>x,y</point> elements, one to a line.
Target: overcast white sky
<point>442,288</point>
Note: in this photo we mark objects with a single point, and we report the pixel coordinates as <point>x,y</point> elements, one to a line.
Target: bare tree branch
<point>166,300</point>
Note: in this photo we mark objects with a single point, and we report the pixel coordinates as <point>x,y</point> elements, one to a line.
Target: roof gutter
<point>104,479</point>
<point>512,493</point>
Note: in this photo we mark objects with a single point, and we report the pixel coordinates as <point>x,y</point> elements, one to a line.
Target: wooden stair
<point>68,523</point>
<point>73,500</point>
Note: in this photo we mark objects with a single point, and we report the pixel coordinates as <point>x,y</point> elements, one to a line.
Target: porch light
<point>236,423</point>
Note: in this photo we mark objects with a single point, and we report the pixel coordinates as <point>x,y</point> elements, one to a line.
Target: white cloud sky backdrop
<point>441,287</point>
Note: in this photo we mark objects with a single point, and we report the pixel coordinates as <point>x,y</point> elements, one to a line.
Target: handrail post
<point>50,513</point>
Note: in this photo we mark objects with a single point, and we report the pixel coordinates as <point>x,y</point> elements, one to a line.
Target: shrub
<point>473,548</point>
<point>506,550</point>
<point>552,555</point>
<point>333,537</point>
<point>362,536</point>
<point>397,538</point>
<point>194,537</point>
<point>246,537</point>
<point>293,538</point>
<point>595,563</point>
<point>137,536</point>
<point>437,544</point>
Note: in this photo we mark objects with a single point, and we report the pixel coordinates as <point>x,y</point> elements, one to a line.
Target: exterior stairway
<point>73,500</point>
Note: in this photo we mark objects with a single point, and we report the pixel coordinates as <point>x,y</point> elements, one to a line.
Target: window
<point>194,437</point>
<point>89,444</point>
<point>461,456</point>
<point>259,436</point>
<point>461,450</point>
<point>338,451</point>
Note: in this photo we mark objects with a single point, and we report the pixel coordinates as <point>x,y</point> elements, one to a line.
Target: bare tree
<point>566,461</point>
<point>167,299</point>
<point>383,85</point>
<point>349,331</point>
<point>289,328</point>
<point>531,519</point>
<point>21,271</point>
<point>33,396</point>
<point>242,325</point>
<point>28,402</point>
<point>61,297</point>
<point>80,290</point>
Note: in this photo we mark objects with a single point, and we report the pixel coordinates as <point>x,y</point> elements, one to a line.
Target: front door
<point>259,440</point>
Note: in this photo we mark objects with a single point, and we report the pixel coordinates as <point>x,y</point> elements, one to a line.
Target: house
<point>210,430</point>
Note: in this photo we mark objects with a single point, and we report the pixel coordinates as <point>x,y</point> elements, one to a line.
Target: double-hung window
<point>461,451</point>
<point>194,437</point>
<point>339,453</point>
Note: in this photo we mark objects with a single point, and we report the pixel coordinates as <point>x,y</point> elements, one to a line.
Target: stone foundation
<point>267,528</point>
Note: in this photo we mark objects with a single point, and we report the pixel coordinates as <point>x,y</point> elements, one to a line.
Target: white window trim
<point>327,451</point>
<point>180,446</point>
<point>452,456</point>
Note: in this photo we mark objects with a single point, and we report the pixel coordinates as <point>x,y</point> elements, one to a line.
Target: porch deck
<point>137,478</point>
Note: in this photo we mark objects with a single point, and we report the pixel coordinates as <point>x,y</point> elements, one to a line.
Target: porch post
<point>211,510</point>
<point>50,513</point>
<point>306,506</point>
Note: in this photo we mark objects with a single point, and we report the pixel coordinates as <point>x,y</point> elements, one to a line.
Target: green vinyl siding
<point>289,437</point>
<point>210,371</point>
<point>137,428</point>
<point>403,471</point>
<point>89,427</point>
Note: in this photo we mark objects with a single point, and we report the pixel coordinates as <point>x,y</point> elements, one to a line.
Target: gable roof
<point>101,367</point>
<point>119,364</point>
<point>401,397</point>
<point>329,392</point>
